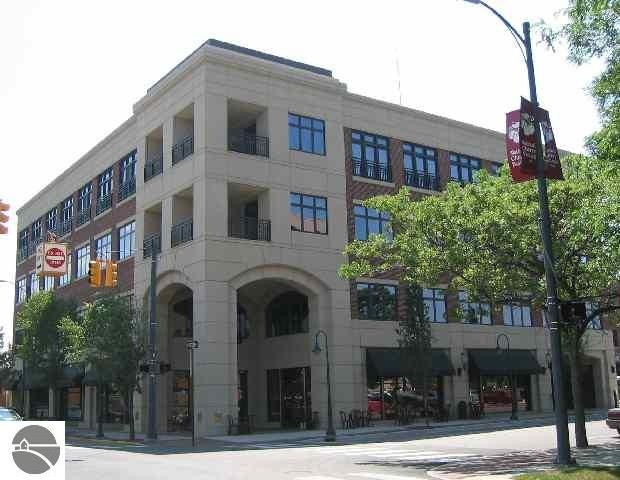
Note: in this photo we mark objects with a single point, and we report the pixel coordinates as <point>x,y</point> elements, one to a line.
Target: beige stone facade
<point>218,203</point>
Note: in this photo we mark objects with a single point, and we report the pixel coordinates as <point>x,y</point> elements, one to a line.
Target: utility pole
<point>153,361</point>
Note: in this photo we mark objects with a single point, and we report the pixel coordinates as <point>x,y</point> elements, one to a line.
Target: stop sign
<point>55,257</point>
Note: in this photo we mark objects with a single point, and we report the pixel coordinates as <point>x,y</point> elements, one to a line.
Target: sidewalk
<point>116,435</point>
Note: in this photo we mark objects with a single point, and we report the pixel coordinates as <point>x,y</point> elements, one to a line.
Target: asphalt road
<point>449,454</point>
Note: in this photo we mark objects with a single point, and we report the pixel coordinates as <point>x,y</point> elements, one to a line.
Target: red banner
<point>513,148</point>
<point>553,168</point>
<point>527,136</point>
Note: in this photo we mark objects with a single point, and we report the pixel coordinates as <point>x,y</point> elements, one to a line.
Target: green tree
<point>43,348</point>
<point>484,238</point>
<point>592,31</point>
<point>8,374</point>
<point>415,341</point>
<point>110,340</point>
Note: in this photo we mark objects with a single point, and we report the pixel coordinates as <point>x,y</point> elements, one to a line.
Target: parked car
<point>8,414</point>
<point>613,419</point>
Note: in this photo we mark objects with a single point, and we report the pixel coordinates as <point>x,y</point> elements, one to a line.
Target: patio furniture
<point>345,420</point>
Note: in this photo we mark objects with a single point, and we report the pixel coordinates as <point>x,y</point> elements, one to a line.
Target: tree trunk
<point>100,399</point>
<point>581,438</point>
<point>132,427</point>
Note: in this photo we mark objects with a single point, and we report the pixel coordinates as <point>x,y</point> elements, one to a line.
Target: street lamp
<point>330,435</point>
<point>561,418</point>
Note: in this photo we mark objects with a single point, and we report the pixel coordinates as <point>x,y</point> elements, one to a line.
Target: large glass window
<point>22,243</point>
<point>103,247</point>
<point>126,240</point>
<point>420,166</point>
<point>462,167</point>
<point>306,134</point>
<point>517,315</point>
<point>34,284</point>
<point>287,315</point>
<point>474,312</point>
<point>67,209</point>
<point>66,278</point>
<point>127,176</point>
<point>369,221</point>
<point>370,156</point>
<point>82,259</point>
<point>435,304</point>
<point>84,197</point>
<point>595,323</point>
<point>273,395</point>
<point>376,301</point>
<point>21,290</point>
<point>48,284</point>
<point>308,213</point>
<point>37,231</point>
<point>104,187</point>
<point>52,220</point>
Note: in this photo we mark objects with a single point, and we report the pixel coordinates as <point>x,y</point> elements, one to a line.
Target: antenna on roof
<point>400,93</point>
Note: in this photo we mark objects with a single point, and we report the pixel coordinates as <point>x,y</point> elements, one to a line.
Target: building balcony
<point>182,149</point>
<point>103,204</point>
<point>127,189</point>
<point>373,170</point>
<point>250,228</point>
<point>151,244</point>
<point>83,216</point>
<point>65,227</point>
<point>153,168</point>
<point>182,232</point>
<point>417,179</point>
<point>249,144</point>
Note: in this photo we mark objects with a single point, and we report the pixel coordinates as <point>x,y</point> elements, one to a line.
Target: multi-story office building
<point>244,173</point>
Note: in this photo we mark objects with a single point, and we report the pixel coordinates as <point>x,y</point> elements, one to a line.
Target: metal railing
<point>376,171</point>
<point>182,149</point>
<point>182,232</point>
<point>250,228</point>
<point>249,144</point>
<point>153,168</point>
<point>83,216</point>
<point>65,227</point>
<point>103,203</point>
<point>151,243</point>
<point>127,189</point>
<point>417,179</point>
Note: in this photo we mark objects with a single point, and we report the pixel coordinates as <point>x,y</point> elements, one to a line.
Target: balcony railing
<point>249,144</point>
<point>182,232</point>
<point>250,228</point>
<point>83,216</point>
<point>151,244</point>
<point>103,203</point>
<point>127,189</point>
<point>22,253</point>
<point>182,149</point>
<point>65,227</point>
<point>376,171</point>
<point>424,180</point>
<point>153,168</point>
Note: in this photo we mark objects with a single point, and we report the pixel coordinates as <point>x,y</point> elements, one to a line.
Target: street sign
<point>51,259</point>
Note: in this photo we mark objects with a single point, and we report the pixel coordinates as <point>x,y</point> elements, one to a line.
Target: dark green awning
<point>388,362</point>
<point>92,379</point>
<point>504,362</point>
<point>70,376</point>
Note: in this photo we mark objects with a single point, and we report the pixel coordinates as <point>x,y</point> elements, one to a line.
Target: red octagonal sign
<point>55,257</point>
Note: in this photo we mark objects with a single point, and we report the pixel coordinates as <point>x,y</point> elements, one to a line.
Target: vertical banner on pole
<point>527,136</point>
<point>513,148</point>
<point>553,168</point>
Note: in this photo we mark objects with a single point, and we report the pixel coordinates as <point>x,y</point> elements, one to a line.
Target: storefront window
<point>385,394</point>
<point>181,411</point>
<point>495,393</point>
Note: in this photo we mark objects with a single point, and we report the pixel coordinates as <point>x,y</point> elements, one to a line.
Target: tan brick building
<point>245,171</point>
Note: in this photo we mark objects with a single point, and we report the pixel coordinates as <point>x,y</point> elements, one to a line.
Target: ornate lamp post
<point>330,435</point>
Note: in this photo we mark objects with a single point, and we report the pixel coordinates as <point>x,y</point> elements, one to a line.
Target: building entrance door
<point>296,407</point>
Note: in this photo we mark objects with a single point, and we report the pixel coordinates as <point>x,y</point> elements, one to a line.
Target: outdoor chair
<point>345,420</point>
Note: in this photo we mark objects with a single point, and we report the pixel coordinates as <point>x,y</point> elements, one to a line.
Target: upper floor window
<point>24,236</point>
<point>306,134</point>
<point>52,219</point>
<point>82,259</point>
<point>127,171</point>
<point>67,209</point>
<point>462,167</point>
<point>308,213</point>
<point>34,284</point>
<point>21,290</point>
<point>435,304</point>
<point>370,156</point>
<point>376,301</point>
<point>37,230</point>
<point>105,184</point>
<point>474,312</point>
<point>126,240</point>
<point>103,247</point>
<point>84,197</point>
<point>287,314</point>
<point>517,315</point>
<point>369,221</point>
<point>495,168</point>
<point>66,278</point>
<point>595,323</point>
<point>420,166</point>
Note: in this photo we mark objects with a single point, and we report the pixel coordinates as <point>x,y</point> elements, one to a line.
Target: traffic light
<point>94,273</point>
<point>4,218</point>
<point>111,274</point>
